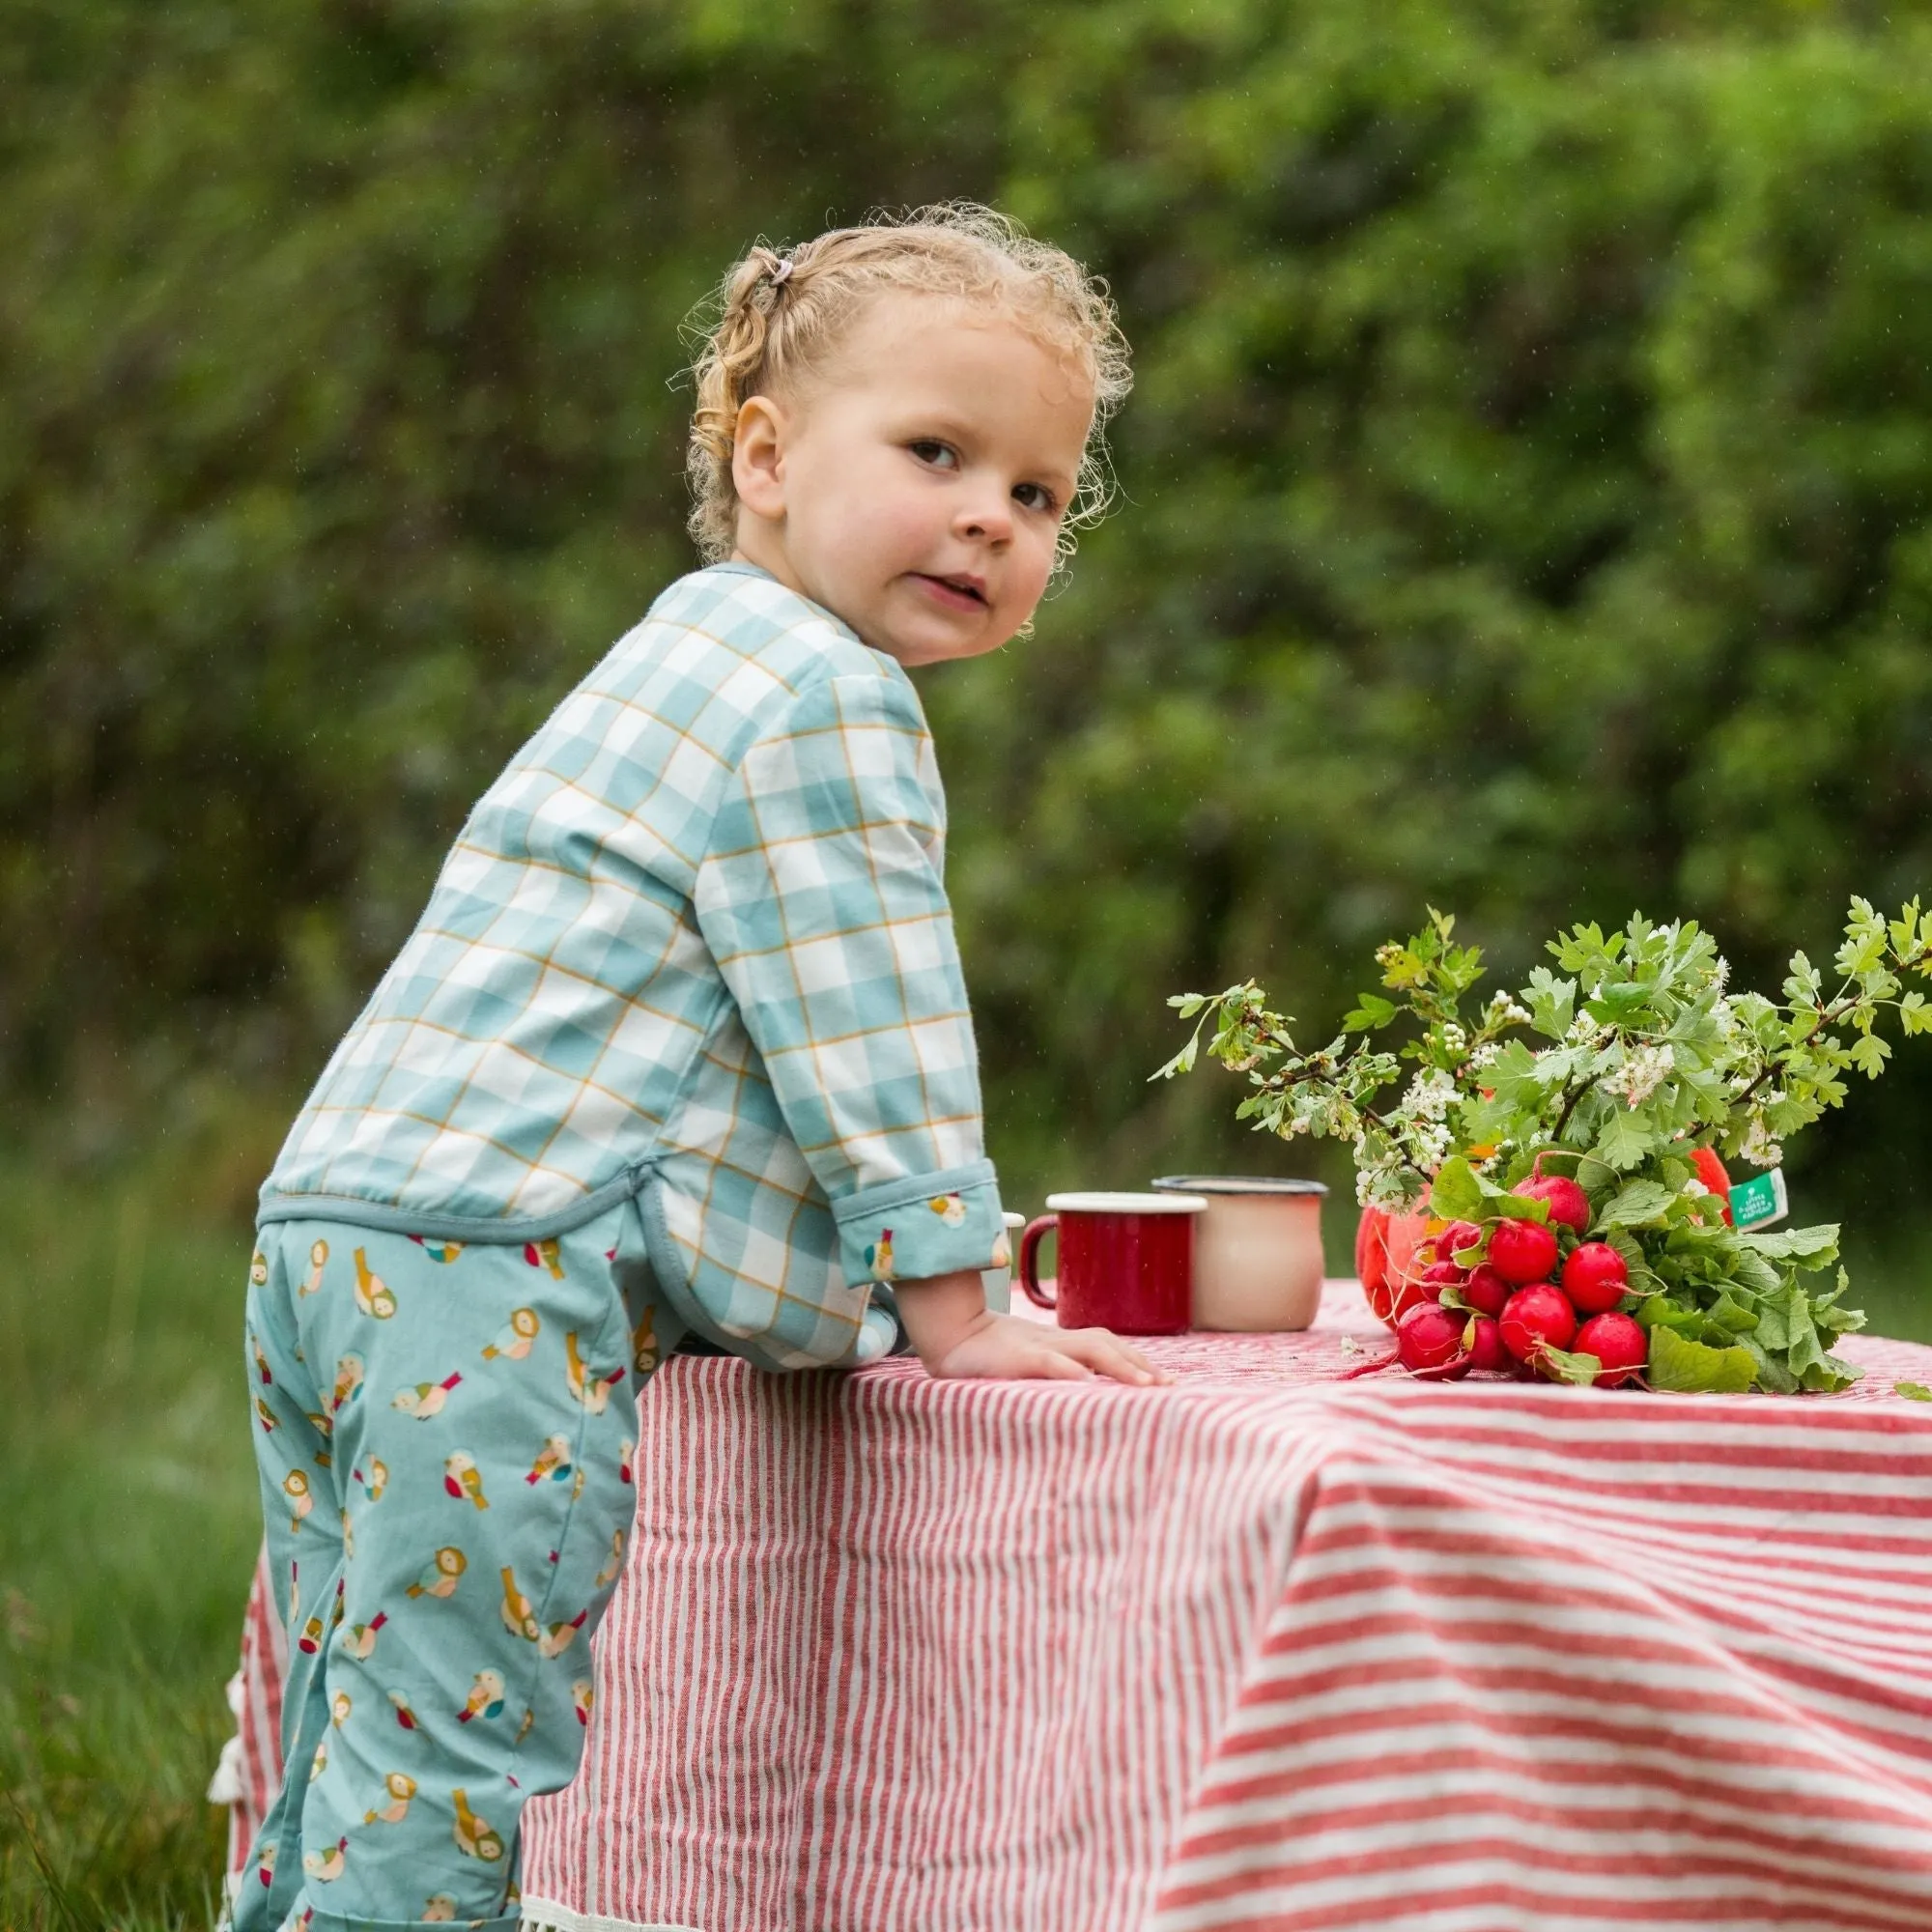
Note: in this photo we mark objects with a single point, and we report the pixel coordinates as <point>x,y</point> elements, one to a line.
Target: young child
<point>679,1047</point>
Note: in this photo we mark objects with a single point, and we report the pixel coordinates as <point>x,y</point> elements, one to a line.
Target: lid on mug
<point>1237,1183</point>
<point>1125,1204</point>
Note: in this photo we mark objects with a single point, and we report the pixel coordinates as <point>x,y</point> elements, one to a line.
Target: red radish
<point>1486,1291</point>
<point>1568,1204</point>
<point>1538,1316</point>
<point>1387,1264</point>
<point>1595,1277</point>
<point>1439,1275</point>
<point>1522,1251</point>
<point>1455,1237</point>
<point>1482,1339</point>
<point>1429,1338</point>
<point>1616,1341</point>
<point>1711,1171</point>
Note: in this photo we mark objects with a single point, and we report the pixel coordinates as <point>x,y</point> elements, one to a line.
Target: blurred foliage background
<point>1526,507</point>
<point>1526,504</point>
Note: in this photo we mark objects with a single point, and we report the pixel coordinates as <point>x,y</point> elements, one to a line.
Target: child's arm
<point>821,899</point>
<point>956,1335</point>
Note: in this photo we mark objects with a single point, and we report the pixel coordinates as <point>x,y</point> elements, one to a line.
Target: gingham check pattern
<point>692,942</point>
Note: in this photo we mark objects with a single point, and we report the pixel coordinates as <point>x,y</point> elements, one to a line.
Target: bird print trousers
<point>445,1435</point>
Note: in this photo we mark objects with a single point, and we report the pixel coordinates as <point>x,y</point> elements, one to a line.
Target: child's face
<point>917,489</point>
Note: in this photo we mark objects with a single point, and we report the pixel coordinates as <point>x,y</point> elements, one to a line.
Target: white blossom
<point>1429,1095</point>
<point>1643,1073</point>
<point>1758,1145</point>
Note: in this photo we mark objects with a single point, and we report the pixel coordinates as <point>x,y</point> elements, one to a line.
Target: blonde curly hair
<point>776,316</point>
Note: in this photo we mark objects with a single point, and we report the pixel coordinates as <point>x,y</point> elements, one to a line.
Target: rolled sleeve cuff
<point>926,1224</point>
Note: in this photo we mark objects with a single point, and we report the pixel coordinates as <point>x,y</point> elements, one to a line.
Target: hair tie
<point>781,271</point>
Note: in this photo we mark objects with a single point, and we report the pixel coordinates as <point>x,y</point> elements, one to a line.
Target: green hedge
<point>1526,503</point>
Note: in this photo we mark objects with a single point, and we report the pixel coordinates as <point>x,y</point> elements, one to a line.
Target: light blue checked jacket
<point>692,947</point>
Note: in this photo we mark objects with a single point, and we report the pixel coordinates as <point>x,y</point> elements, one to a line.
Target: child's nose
<point>986,516</point>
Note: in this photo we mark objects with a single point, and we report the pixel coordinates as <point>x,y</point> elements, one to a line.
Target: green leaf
<point>1805,986</point>
<point>1834,1321</point>
<point>1659,1311</point>
<point>1809,1247</point>
<point>1779,1315</point>
<point>1371,1010</point>
<point>1524,1079</point>
<point>1518,1208</point>
<point>1582,1370</point>
<point>1830,1373</point>
<point>1869,1053</point>
<point>1182,1063</point>
<point>1550,1002</point>
<point>1865,936</point>
<point>1690,1368</point>
<point>1804,1351</point>
<point>1626,1139</point>
<point>1642,1281</point>
<point>1732,1316</point>
<point>1621,1000</point>
<point>1913,1391</point>
<point>1457,1195</point>
<point>1772,1376</point>
<point>1639,1202</point>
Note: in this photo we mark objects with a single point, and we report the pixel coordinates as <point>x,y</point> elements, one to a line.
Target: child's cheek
<point>908,530</point>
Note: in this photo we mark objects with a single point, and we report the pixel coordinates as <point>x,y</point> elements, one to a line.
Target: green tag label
<point>1760,1200</point>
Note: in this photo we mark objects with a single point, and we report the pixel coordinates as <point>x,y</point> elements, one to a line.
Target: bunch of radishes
<point>1508,1296</point>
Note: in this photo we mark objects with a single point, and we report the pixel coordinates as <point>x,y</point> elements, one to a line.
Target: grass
<point>128,1525</point>
<point>128,1532</point>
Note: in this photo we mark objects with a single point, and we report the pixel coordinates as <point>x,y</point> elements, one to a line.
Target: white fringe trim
<point>545,1915</point>
<point>225,1786</point>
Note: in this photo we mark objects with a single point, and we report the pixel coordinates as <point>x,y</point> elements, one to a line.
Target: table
<point>1270,1648</point>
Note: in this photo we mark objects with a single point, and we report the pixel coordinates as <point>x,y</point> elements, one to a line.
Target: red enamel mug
<point>1127,1261</point>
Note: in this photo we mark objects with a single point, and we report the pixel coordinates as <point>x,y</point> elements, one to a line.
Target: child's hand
<point>950,1325</point>
<point>1003,1349</point>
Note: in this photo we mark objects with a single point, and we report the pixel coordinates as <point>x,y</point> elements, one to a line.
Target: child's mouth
<point>955,593</point>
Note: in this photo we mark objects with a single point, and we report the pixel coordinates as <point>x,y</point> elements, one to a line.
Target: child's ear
<point>757,457</point>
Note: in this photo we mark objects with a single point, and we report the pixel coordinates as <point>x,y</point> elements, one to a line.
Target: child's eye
<point>940,455</point>
<point>1036,496</point>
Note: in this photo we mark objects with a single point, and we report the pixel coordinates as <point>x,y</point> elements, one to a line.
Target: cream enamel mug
<point>998,1282</point>
<point>1257,1250</point>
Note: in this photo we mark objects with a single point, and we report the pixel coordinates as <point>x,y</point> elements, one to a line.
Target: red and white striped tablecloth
<point>1265,1648</point>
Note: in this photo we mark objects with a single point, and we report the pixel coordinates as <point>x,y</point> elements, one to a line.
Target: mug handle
<point>1027,1266</point>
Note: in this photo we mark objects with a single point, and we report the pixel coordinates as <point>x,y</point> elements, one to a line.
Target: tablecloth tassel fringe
<point>545,1915</point>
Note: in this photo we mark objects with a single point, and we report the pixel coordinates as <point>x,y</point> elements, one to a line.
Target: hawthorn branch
<point>1256,1022</point>
<point>1572,1096</point>
<point>1828,1016</point>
